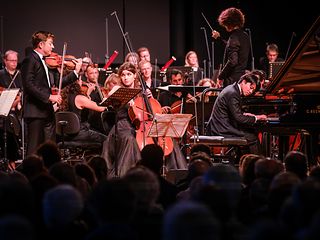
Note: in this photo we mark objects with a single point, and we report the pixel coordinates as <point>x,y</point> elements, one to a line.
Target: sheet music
<point>169,125</point>
<point>7,98</point>
<point>120,97</point>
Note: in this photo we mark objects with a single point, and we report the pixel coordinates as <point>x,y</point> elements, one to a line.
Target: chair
<point>67,127</point>
<point>231,143</point>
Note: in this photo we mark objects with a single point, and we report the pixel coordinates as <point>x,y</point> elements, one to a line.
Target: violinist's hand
<point>78,63</point>
<point>55,98</point>
<point>166,109</point>
<point>215,34</point>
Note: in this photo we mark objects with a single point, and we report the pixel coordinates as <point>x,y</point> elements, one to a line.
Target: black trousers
<point>39,130</point>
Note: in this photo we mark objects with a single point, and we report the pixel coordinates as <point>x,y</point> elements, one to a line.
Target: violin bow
<point>62,66</point>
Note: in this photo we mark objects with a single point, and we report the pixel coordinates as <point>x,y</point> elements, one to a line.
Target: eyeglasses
<point>11,60</point>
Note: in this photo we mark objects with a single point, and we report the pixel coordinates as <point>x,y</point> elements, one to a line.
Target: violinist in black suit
<point>227,117</point>
<point>37,80</point>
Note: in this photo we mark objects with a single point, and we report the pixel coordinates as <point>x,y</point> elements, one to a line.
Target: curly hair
<point>73,88</point>
<point>231,17</point>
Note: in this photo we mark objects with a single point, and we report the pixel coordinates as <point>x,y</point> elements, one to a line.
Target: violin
<point>54,60</point>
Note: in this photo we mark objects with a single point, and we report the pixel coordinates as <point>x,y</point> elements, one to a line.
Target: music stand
<point>120,97</point>
<point>115,101</point>
<point>7,98</point>
<point>168,125</point>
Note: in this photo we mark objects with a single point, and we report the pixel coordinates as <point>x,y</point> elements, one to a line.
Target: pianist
<point>227,118</point>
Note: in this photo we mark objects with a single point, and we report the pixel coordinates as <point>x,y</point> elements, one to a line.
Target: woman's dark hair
<point>73,88</point>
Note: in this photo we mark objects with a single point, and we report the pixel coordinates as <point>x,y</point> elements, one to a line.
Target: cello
<point>142,113</point>
<point>143,110</point>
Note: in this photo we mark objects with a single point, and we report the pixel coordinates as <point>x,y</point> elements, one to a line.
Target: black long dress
<point>120,149</point>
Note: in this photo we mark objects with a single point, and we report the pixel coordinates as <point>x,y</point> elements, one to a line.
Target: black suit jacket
<point>5,79</point>
<point>227,117</point>
<point>36,87</point>
<point>235,58</point>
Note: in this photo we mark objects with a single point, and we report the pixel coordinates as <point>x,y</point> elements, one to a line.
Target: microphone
<point>164,68</point>
<point>111,59</point>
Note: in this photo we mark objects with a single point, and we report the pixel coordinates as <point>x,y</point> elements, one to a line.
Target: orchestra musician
<point>272,55</point>
<point>207,82</point>
<point>146,73</point>
<point>144,54</point>
<point>10,77</point>
<point>75,100</point>
<point>236,54</point>
<point>191,60</point>
<point>132,57</point>
<point>169,102</point>
<point>227,117</point>
<point>120,149</point>
<point>167,98</point>
<point>38,99</point>
<point>96,95</point>
<point>108,119</point>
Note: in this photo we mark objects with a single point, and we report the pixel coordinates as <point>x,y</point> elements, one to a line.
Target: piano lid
<point>301,72</point>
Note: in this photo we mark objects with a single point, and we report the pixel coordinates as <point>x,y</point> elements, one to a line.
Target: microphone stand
<point>252,57</point>
<point>107,42</point>
<point>208,50</point>
<point>155,72</point>
<point>292,35</point>
<point>212,58</point>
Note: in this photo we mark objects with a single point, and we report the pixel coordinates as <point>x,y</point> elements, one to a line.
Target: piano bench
<point>231,143</point>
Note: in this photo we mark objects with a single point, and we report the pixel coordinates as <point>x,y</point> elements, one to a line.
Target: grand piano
<point>294,95</point>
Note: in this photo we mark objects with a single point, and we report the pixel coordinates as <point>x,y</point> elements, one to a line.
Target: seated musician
<point>108,119</point>
<point>167,98</point>
<point>227,117</point>
<point>145,68</point>
<point>10,77</point>
<point>272,55</point>
<point>191,60</point>
<point>97,94</point>
<point>120,150</point>
<point>75,100</point>
<point>207,82</point>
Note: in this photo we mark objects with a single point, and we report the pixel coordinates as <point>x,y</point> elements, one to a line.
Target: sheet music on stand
<point>7,98</point>
<point>120,97</point>
<point>169,125</point>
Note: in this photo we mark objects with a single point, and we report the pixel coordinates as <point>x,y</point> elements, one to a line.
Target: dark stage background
<point>166,27</point>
